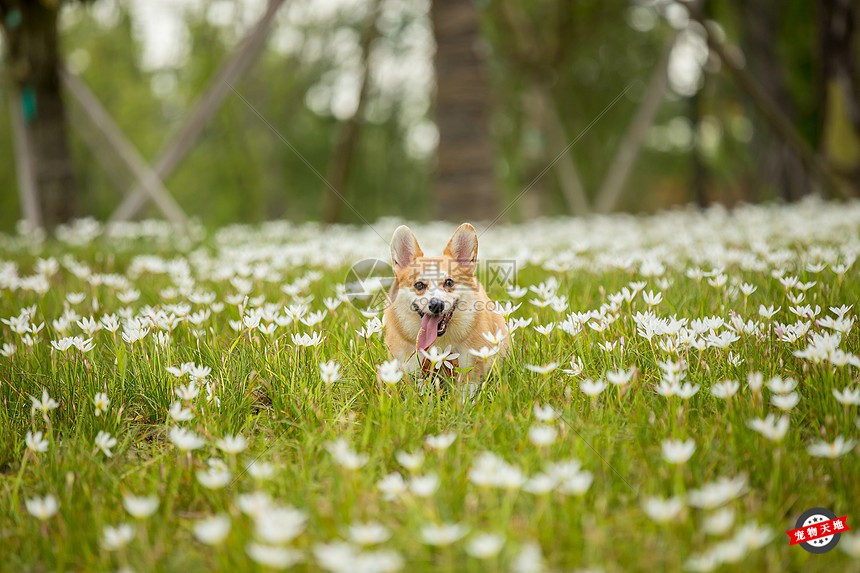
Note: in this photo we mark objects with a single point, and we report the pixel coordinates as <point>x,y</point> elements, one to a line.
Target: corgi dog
<point>438,302</point>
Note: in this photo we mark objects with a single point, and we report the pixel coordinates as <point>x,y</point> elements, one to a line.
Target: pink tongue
<point>427,335</point>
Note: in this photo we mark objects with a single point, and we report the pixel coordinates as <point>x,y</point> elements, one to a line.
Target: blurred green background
<point>550,68</point>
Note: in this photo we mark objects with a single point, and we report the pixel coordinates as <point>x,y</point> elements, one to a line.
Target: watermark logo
<point>367,283</point>
<point>818,530</point>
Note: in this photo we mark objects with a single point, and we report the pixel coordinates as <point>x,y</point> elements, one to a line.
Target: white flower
<point>495,338</point>
<point>663,510</point>
<point>725,389</point>
<point>781,386</point>
<point>101,402</point>
<point>441,442</point>
<point>344,455</point>
<point>576,367</point>
<point>686,390</point>
<point>410,461</point>
<point>36,443</point>
<point>545,329</point>
<point>370,533</point>
<point>185,440</point>
<point>540,484</point>
<point>424,486</point>
<point>373,326</point>
<point>280,524</point>
<point>180,414</point>
<point>545,413</point>
<point>115,538</point>
<point>735,359</point>
<point>542,435</point>
<point>592,387</point>
<point>768,311</point>
<point>485,352</point>
<point>272,556</point>
<point>392,486</point>
<point>132,333</point>
<point>212,530</point>
<point>188,392</point>
<point>104,442</point>
<point>198,373</point>
<point>529,559</point>
<point>390,372</point>
<point>484,545</point>
<point>491,470</point>
<point>216,477</point>
<point>46,404</point>
<point>785,401</point>
<point>84,345</point>
<point>443,534</point>
<point>771,428</point>
<point>716,493</point>
<point>753,536</point>
<point>232,444</point>
<point>837,449</point>
<point>251,321</point>
<point>181,370</point>
<point>261,470</point>
<point>254,504</point>
<point>678,452</point>
<point>314,339</point>
<point>850,544</point>
<point>516,292</point>
<point>848,396</point>
<point>313,318</point>
<point>267,329</point>
<point>42,508</point>
<point>702,563</point>
<point>719,522</point>
<point>542,369</point>
<point>338,556</point>
<point>755,380</point>
<point>140,507</point>
<point>652,299</point>
<point>330,372</point>
<point>439,358</point>
<point>619,377</point>
<point>576,484</point>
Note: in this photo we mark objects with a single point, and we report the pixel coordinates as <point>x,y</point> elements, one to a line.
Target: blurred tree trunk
<point>699,169</point>
<point>465,185</point>
<point>838,92</point>
<point>32,44</point>
<point>778,164</point>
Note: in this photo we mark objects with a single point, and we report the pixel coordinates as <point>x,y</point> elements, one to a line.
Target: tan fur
<point>473,315</point>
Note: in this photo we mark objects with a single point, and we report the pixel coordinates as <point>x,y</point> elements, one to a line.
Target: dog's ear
<point>463,246</point>
<point>404,248</point>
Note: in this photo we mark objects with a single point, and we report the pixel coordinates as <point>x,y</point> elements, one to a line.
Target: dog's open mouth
<point>432,327</point>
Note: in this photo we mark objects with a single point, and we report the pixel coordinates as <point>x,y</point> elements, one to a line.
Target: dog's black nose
<point>436,306</point>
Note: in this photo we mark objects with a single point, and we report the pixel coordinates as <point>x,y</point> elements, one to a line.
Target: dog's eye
<point>420,286</point>
<point>449,283</point>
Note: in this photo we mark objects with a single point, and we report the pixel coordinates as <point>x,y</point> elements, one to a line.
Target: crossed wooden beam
<point>149,179</point>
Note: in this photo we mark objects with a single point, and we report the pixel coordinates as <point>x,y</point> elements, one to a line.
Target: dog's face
<point>433,296</point>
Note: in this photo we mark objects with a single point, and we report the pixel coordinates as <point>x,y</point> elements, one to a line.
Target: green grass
<point>271,392</point>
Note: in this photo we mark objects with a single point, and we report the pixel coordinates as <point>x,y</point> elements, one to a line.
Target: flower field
<point>679,388</point>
